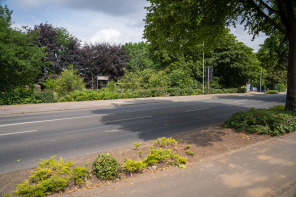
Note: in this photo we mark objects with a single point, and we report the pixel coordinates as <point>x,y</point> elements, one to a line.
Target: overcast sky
<point>113,21</point>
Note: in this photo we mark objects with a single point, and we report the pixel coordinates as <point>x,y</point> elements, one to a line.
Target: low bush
<point>106,167</point>
<point>242,89</point>
<point>80,175</point>
<point>272,92</point>
<point>160,155</point>
<point>50,176</point>
<point>163,142</point>
<point>273,121</point>
<point>188,152</point>
<point>133,166</point>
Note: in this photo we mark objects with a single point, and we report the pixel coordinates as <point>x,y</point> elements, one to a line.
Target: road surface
<point>27,138</point>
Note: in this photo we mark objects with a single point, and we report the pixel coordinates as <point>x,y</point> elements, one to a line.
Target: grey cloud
<point>109,7</point>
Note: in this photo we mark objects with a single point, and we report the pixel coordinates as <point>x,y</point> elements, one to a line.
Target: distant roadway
<point>27,138</point>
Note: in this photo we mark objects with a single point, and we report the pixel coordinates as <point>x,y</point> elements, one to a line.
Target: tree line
<point>33,55</point>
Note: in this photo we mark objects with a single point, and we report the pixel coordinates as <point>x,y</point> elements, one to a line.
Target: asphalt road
<point>27,138</point>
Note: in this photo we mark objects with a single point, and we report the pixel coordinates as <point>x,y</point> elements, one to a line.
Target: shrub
<point>273,121</point>
<point>49,176</point>
<point>163,142</point>
<point>160,155</point>
<point>46,96</point>
<point>133,166</point>
<point>242,89</point>
<point>272,92</point>
<point>106,167</point>
<point>68,81</point>
<point>80,175</point>
<point>282,88</point>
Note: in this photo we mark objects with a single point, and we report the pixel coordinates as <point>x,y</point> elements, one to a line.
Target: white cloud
<point>107,35</point>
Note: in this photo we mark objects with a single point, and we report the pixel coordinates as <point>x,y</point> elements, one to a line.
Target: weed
<point>163,142</point>
<point>140,153</point>
<point>137,144</point>
<point>106,167</point>
<point>188,146</point>
<point>188,152</point>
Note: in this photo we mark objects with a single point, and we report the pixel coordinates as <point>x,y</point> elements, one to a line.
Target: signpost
<point>101,78</point>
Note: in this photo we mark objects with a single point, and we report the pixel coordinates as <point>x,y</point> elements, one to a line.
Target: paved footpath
<point>264,169</point>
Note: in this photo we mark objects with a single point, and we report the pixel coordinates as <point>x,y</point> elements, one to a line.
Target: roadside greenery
<point>273,121</point>
<point>52,176</point>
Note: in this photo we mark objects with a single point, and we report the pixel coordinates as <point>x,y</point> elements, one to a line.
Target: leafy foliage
<point>272,92</point>
<point>68,81</point>
<point>106,167</point>
<point>20,58</point>
<point>50,176</point>
<point>80,175</point>
<point>133,166</point>
<point>273,121</point>
<point>163,142</point>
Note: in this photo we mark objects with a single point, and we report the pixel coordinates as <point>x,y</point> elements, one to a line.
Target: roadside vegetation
<point>52,176</point>
<point>66,70</point>
<point>273,121</point>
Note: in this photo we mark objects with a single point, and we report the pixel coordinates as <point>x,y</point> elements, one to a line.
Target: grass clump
<point>188,152</point>
<point>272,92</point>
<point>163,142</point>
<point>273,121</point>
<point>106,167</point>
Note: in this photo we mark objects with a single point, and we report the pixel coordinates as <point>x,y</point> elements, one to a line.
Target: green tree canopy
<point>180,24</point>
<point>273,55</point>
<point>20,59</point>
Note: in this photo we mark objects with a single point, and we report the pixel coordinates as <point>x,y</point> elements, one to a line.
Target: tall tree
<point>179,24</point>
<point>103,59</point>
<point>20,58</point>
<point>273,55</point>
<point>62,48</point>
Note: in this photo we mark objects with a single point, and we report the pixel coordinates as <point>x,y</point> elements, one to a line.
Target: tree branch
<point>268,7</point>
<point>270,20</point>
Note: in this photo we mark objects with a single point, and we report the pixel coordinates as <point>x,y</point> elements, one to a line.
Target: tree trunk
<point>291,92</point>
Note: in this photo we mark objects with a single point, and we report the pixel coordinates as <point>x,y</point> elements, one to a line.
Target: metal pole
<point>203,68</point>
<point>261,79</point>
<point>208,80</point>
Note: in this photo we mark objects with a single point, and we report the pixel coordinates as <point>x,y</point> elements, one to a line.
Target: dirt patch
<point>204,143</point>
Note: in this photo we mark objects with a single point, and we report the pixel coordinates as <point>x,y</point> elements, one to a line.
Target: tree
<point>273,55</point>
<point>179,24</point>
<point>234,63</point>
<point>139,56</point>
<point>20,58</point>
<point>102,59</point>
<point>61,47</point>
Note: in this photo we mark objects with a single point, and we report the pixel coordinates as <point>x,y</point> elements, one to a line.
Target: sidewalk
<point>49,107</point>
<point>264,169</point>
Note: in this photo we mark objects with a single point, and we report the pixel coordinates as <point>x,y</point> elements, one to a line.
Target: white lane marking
<point>113,131</point>
<point>197,109</point>
<point>22,123</point>
<point>18,132</point>
<point>128,119</point>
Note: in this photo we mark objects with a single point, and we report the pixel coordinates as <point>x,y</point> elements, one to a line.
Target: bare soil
<point>204,143</point>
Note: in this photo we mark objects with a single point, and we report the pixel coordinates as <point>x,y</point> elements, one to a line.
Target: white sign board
<point>103,78</point>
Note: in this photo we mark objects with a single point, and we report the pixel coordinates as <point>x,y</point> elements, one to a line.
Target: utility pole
<point>203,68</point>
<point>260,79</point>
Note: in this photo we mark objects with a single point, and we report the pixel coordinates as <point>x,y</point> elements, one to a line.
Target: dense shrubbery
<point>272,92</point>
<point>51,176</point>
<point>273,121</point>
